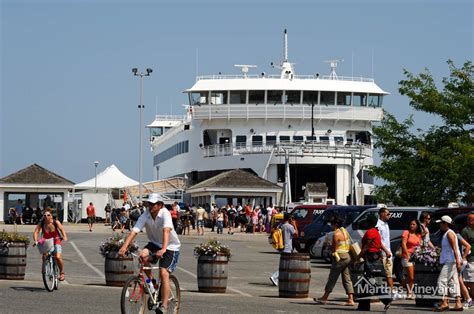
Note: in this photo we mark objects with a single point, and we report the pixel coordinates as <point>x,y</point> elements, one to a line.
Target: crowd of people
<point>456,277</point>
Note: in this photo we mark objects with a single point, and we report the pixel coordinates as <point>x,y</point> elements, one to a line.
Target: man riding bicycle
<point>164,242</point>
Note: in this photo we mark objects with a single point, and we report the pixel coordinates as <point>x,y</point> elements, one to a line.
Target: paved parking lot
<point>249,289</point>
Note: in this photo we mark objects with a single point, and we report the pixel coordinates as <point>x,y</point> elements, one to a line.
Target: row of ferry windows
<point>257,140</point>
<point>285,97</point>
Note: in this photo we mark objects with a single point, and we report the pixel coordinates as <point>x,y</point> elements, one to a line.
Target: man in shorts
<point>384,230</point>
<point>164,242</point>
<point>90,215</point>
<point>468,273</point>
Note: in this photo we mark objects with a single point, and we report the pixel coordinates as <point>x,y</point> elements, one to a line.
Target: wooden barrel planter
<point>426,279</point>
<point>212,273</point>
<point>13,261</point>
<point>294,275</point>
<point>118,269</point>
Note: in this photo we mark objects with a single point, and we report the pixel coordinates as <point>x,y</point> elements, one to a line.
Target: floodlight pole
<point>96,163</point>
<point>140,108</point>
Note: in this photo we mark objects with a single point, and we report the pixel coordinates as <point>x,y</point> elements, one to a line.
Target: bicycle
<point>137,298</point>
<point>49,268</point>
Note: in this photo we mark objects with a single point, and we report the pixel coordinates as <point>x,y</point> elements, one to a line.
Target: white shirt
<point>447,252</point>
<point>154,229</point>
<point>384,231</point>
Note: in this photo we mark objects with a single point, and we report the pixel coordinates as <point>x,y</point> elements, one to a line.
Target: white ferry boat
<point>285,128</point>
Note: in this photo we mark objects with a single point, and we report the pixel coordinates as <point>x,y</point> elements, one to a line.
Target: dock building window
<point>292,96</point>
<point>343,99</point>
<point>238,97</point>
<point>327,98</point>
<point>218,97</point>
<point>241,141</point>
<point>256,96</point>
<point>310,97</point>
<point>359,100</point>
<point>271,140</point>
<point>274,96</point>
<point>177,149</point>
<point>199,98</point>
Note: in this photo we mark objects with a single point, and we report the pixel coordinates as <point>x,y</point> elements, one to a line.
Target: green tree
<point>436,166</point>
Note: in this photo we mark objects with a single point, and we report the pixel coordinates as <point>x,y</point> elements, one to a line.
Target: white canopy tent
<point>110,178</point>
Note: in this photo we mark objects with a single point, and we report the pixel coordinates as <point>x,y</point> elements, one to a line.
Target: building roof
<point>35,174</point>
<point>236,179</point>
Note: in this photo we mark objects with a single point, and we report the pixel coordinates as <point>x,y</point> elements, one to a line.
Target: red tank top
<point>52,234</point>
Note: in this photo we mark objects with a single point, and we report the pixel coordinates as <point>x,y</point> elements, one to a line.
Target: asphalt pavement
<point>249,289</point>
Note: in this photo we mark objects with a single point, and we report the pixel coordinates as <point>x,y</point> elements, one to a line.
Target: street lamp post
<point>96,163</point>
<point>140,107</point>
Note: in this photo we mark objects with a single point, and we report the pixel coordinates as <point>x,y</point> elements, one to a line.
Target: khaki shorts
<point>468,273</point>
<point>388,266</point>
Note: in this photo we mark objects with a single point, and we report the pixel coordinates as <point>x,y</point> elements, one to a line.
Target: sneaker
<point>162,309</point>
<point>274,281</point>
<point>467,304</point>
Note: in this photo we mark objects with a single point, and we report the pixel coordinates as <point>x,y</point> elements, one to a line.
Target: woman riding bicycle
<point>52,229</point>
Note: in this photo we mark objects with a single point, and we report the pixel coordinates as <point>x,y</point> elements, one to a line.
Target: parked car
<point>319,227</point>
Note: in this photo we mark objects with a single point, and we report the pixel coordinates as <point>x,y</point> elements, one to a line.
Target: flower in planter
<point>212,248</point>
<point>426,255</point>
<point>8,237</point>
<point>114,243</point>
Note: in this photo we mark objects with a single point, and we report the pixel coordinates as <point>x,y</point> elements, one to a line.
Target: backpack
<point>55,226</point>
<point>277,239</point>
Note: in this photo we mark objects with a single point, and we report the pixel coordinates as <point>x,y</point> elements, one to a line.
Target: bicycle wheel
<point>133,299</point>
<point>48,274</point>
<point>56,275</point>
<point>174,300</point>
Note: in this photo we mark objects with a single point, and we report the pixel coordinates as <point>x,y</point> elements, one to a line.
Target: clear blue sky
<point>68,96</point>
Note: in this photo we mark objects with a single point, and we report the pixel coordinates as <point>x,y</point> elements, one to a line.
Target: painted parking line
<point>84,260</point>
<point>230,288</point>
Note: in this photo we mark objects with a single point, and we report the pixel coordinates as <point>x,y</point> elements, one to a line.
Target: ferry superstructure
<point>285,127</point>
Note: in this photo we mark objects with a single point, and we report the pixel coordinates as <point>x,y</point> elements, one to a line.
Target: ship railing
<point>278,76</point>
<point>301,149</point>
<point>286,111</point>
<point>180,118</point>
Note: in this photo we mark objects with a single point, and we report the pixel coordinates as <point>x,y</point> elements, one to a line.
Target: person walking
<point>425,219</point>
<point>200,220</point>
<point>174,214</point>
<point>220,221</point>
<point>289,231</point>
<point>231,213</point>
<point>468,273</point>
<point>340,263</point>
<point>255,214</point>
<point>450,258</point>
<point>384,230</point>
<point>19,210</point>
<point>371,252</point>
<point>90,216</point>
<point>411,238</point>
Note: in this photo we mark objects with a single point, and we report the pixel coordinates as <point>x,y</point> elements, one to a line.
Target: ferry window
<point>271,139</point>
<point>324,139</point>
<point>298,139</point>
<point>327,98</point>
<point>343,99</point>
<point>310,97</point>
<point>338,140</point>
<point>359,100</point>
<point>274,96</point>
<point>257,140</point>
<point>284,139</point>
<point>238,97</point>
<point>292,96</point>
<point>256,96</point>
<point>199,98</point>
<point>241,141</point>
<point>311,138</point>
<point>375,100</point>
<point>156,131</point>
<point>219,98</point>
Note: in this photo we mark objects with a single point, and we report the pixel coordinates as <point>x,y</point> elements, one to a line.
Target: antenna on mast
<point>333,64</point>
<point>285,46</point>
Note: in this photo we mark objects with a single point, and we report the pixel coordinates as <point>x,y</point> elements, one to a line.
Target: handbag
<point>373,265</point>
<point>399,253</point>
<point>354,250</point>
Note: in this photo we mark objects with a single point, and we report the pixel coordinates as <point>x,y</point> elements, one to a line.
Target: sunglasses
<point>47,215</point>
